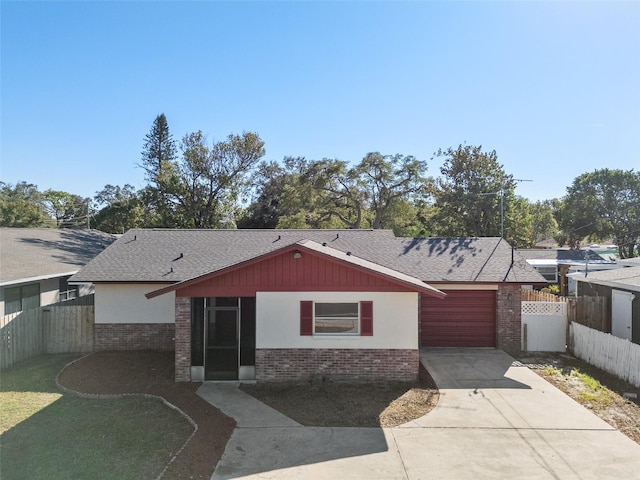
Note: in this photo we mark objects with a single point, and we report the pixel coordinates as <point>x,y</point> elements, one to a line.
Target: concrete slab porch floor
<point>495,419</point>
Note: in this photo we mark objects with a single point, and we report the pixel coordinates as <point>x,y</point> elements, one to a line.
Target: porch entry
<point>223,338</point>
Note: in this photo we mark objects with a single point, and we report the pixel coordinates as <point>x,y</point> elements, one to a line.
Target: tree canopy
<point>601,204</point>
<point>226,184</point>
<point>468,195</point>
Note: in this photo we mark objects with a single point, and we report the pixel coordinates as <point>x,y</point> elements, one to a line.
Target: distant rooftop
<point>559,256</point>
<point>37,252</point>
<point>628,278</point>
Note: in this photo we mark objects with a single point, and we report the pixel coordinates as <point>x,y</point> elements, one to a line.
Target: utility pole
<point>501,192</point>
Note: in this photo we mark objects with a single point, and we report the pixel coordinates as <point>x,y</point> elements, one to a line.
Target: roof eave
<point>414,284</point>
<point>36,279</point>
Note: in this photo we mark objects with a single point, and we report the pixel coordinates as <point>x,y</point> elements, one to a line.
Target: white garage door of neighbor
<point>621,303</point>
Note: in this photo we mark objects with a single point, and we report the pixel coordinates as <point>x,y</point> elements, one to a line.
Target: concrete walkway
<point>495,419</point>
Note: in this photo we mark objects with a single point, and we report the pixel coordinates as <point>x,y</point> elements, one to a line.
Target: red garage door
<point>466,318</point>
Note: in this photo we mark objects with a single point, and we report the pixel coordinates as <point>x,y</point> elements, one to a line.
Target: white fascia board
<point>542,262</point>
<point>36,279</point>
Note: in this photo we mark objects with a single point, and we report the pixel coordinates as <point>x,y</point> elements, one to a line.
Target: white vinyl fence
<point>614,355</point>
<point>544,326</point>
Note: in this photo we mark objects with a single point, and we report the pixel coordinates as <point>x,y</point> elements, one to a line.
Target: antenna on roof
<point>135,237</point>
<point>337,235</point>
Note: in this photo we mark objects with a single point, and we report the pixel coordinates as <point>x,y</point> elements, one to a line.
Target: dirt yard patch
<point>597,390</point>
<point>153,373</point>
<point>350,405</point>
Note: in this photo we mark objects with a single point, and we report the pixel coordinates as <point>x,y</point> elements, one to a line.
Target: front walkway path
<point>494,420</point>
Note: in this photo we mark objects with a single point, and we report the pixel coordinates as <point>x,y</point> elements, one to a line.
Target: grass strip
<point>49,435</point>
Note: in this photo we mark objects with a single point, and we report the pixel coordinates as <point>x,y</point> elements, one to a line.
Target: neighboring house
<point>554,264</point>
<point>629,262</point>
<point>622,287</point>
<point>303,304</point>
<point>35,264</point>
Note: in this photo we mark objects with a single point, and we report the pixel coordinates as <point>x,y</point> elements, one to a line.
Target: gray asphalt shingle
<point>162,255</point>
<point>34,252</point>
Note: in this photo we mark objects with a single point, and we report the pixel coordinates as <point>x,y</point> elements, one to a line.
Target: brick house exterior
<point>230,303</point>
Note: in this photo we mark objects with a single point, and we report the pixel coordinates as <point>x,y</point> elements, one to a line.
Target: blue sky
<point>553,87</point>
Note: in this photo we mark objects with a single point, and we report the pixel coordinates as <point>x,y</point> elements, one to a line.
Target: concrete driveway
<point>495,419</point>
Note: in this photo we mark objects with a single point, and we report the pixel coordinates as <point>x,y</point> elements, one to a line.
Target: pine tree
<point>159,162</point>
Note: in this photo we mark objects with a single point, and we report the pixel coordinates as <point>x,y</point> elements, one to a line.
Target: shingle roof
<point>465,259</point>
<point>626,277</point>
<point>161,255</point>
<point>324,250</point>
<point>630,262</point>
<point>36,252</point>
<point>561,255</point>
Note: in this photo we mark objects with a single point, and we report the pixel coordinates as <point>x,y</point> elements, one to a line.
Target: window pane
<point>336,325</point>
<point>222,302</point>
<point>337,310</point>
<point>31,296</point>
<point>12,301</point>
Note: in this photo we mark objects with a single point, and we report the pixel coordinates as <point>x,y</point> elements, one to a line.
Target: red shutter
<point>366,319</point>
<point>306,317</point>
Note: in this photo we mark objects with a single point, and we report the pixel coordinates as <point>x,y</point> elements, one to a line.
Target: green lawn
<point>45,434</point>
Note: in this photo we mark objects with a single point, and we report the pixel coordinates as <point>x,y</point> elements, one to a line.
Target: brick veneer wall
<point>302,364</point>
<point>183,339</point>
<point>133,336</point>
<point>508,318</point>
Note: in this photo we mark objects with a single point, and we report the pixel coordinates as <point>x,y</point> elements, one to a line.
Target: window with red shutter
<point>306,317</point>
<point>366,318</point>
<point>336,318</point>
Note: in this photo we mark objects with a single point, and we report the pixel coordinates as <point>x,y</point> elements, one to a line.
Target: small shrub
<point>594,390</point>
<point>555,289</point>
<point>551,370</point>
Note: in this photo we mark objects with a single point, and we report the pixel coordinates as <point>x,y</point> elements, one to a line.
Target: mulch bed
<point>350,405</point>
<point>153,373</point>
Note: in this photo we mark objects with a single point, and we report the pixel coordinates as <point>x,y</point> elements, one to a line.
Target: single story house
<point>555,263</point>
<point>36,264</point>
<point>291,305</point>
<point>622,287</point>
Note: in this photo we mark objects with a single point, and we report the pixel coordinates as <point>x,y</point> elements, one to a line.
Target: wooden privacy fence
<point>592,312</point>
<point>615,355</point>
<point>65,327</point>
<point>538,296</point>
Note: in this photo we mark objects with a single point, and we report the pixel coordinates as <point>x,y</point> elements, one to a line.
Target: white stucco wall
<point>395,320</point>
<point>126,303</point>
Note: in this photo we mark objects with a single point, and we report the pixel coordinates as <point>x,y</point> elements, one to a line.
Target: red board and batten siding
<point>465,318</point>
<point>285,273</point>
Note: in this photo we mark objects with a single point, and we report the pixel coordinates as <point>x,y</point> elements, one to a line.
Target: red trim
<point>366,318</point>
<point>280,271</point>
<point>306,317</point>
